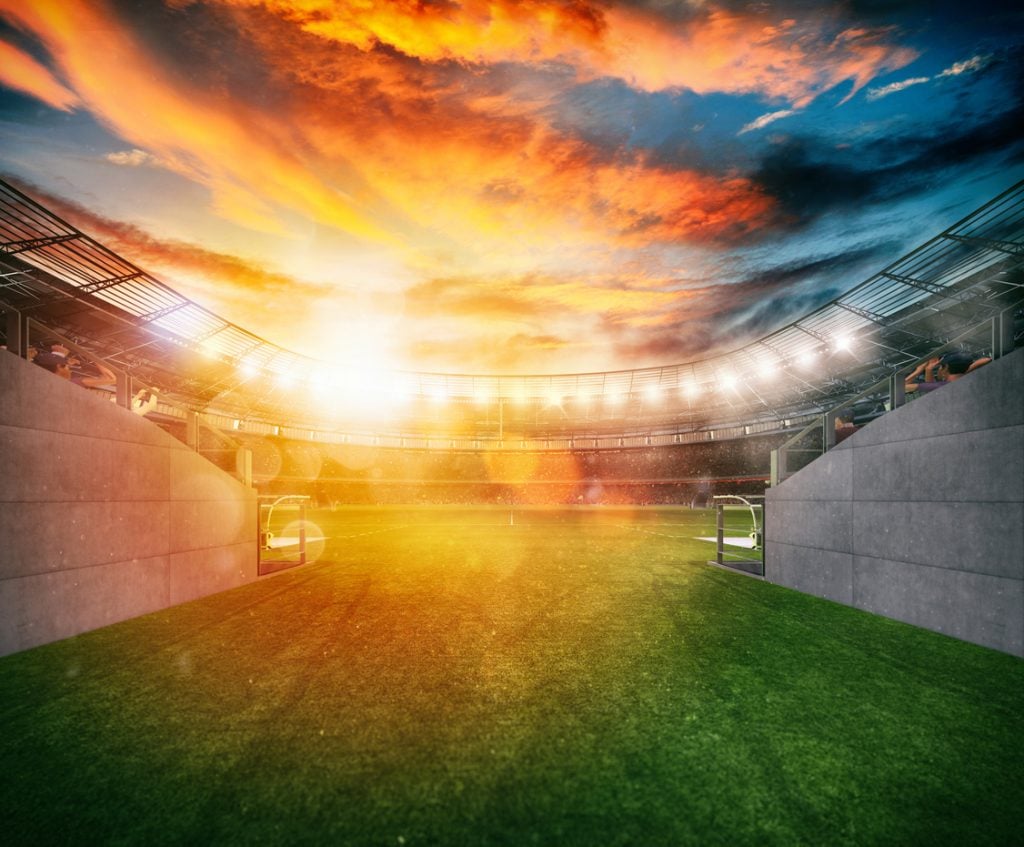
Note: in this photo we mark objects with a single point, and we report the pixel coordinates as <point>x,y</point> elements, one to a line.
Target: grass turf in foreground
<point>577,678</point>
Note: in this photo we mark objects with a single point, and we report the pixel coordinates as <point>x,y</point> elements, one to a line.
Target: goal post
<point>739,532</point>
<point>282,532</point>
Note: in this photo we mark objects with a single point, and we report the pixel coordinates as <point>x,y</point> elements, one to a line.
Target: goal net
<point>739,532</point>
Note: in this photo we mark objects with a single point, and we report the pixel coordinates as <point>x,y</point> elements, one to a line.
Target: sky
<point>511,186</point>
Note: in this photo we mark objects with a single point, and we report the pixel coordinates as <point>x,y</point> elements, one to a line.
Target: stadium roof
<point>70,283</point>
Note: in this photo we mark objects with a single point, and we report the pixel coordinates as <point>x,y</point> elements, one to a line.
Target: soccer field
<point>483,676</point>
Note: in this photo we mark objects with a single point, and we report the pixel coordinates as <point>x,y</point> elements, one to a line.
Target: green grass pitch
<point>570,677</point>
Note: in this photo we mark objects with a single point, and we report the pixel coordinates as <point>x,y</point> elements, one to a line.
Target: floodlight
<point>319,378</point>
<point>843,342</point>
<point>728,382</point>
<point>614,398</point>
<point>248,369</point>
<point>653,393</point>
<point>401,387</point>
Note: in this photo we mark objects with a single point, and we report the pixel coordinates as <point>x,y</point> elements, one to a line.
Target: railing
<point>889,393</point>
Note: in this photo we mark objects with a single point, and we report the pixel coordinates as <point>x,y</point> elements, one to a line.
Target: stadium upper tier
<point>68,282</point>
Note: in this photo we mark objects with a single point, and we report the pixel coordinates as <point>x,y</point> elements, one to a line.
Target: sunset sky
<point>503,186</point>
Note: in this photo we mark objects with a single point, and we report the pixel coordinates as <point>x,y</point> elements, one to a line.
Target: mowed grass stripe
<point>568,680</point>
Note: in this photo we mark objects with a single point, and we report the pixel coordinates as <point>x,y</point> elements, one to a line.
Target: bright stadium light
<point>615,398</point>
<point>690,390</point>
<point>843,343</point>
<point>653,393</point>
<point>396,389</point>
<point>320,379</point>
<point>401,387</point>
<point>728,382</point>
<point>248,369</point>
<point>806,359</point>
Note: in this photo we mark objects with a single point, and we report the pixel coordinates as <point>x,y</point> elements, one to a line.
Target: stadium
<point>768,594</point>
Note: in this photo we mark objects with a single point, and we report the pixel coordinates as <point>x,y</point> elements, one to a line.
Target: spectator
<point>54,363</point>
<point>94,375</point>
<point>59,363</point>
<point>144,401</point>
<point>922,379</point>
<point>948,368</point>
<point>977,363</point>
<point>845,426</point>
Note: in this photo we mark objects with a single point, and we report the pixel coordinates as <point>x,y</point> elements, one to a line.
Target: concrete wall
<point>103,516</point>
<point>919,516</point>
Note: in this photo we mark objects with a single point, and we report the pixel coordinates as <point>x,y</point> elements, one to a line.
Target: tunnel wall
<point>103,516</point>
<point>919,516</point>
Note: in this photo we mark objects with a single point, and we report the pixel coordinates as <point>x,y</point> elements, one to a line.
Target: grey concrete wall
<point>103,516</point>
<point>919,516</point>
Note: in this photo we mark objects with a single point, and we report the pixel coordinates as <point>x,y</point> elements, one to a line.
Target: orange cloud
<point>242,156</point>
<point>712,50</point>
<point>518,191</point>
<point>517,352</point>
<point>20,71</point>
<point>746,53</point>
<point>456,169</point>
<point>506,181</point>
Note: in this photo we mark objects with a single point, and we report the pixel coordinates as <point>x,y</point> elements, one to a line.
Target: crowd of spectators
<point>680,474</point>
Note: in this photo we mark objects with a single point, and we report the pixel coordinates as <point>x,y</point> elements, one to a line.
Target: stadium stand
<point>671,434</point>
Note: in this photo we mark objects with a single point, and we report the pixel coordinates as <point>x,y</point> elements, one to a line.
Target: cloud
<point>711,49</point>
<point>717,318</point>
<point>21,72</point>
<point>516,352</point>
<point>130,158</point>
<point>972,65</point>
<point>238,153</point>
<point>433,131</point>
<point>890,166</point>
<point>892,88</point>
<point>975,63</point>
<point>764,120</point>
<point>501,175</point>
